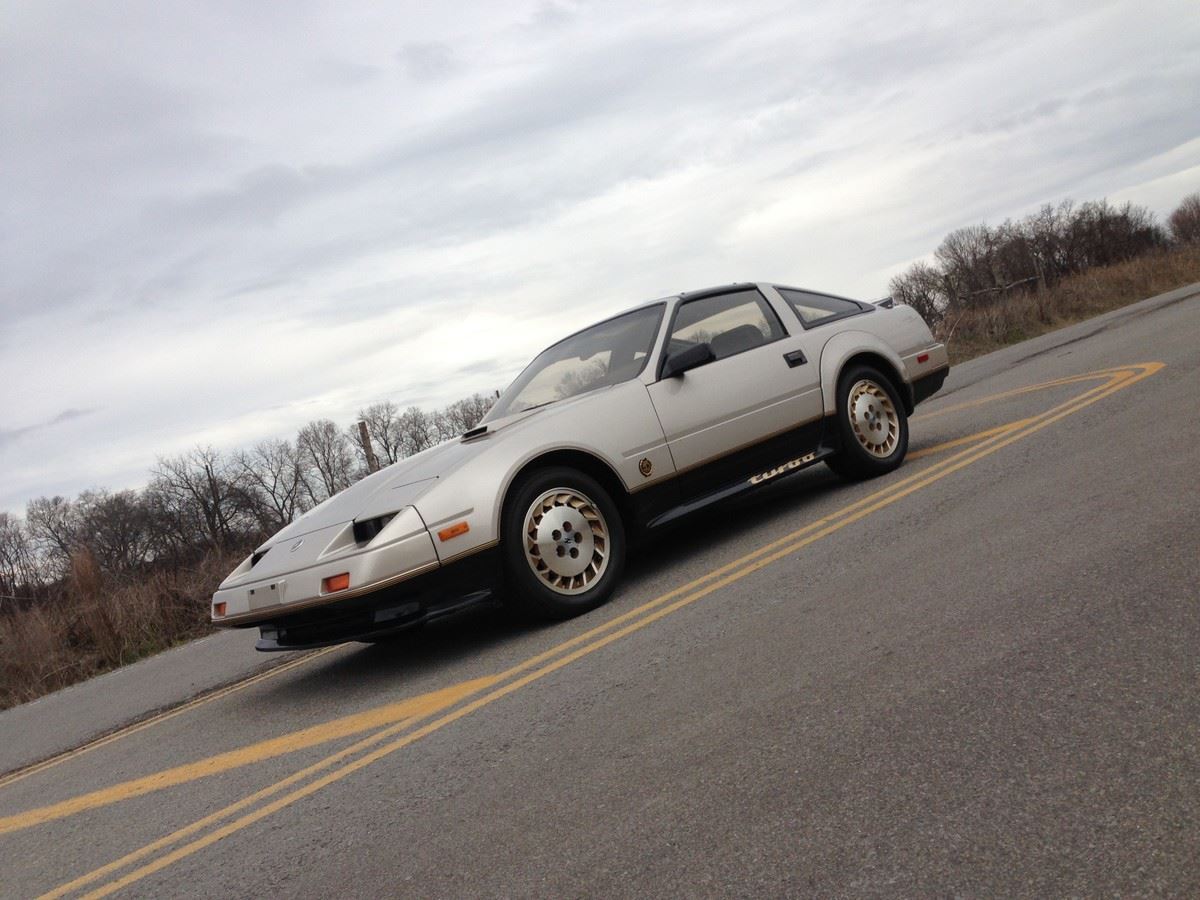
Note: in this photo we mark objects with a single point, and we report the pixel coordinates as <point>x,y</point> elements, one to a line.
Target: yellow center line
<point>660,607</point>
<point>1015,392</point>
<point>404,711</point>
<point>164,716</point>
<point>969,439</point>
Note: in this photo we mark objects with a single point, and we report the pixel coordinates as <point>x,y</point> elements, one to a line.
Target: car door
<point>762,384</point>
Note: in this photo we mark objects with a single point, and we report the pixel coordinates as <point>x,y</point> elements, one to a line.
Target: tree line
<point>205,501</point>
<point>980,264</point>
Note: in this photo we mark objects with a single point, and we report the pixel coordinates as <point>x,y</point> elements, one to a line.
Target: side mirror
<point>678,363</point>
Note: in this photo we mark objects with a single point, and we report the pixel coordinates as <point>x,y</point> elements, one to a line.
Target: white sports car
<point>621,428</point>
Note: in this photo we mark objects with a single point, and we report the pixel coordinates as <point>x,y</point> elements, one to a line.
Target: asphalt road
<point>977,676</point>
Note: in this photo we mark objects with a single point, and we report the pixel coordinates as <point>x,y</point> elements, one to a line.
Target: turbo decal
<point>786,467</point>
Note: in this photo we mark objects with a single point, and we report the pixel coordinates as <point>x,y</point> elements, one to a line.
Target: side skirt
<point>739,473</point>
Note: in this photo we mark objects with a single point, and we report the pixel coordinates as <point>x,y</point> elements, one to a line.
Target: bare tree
<point>1185,220</point>
<point>418,430</point>
<point>202,498</point>
<point>383,425</point>
<point>327,458</point>
<point>462,415</point>
<point>18,567</point>
<point>53,526</point>
<point>116,528</point>
<point>965,256</point>
<point>923,288</point>
<point>273,475</point>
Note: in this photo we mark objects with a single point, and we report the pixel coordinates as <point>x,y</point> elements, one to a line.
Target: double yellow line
<point>345,762</point>
<point>166,715</point>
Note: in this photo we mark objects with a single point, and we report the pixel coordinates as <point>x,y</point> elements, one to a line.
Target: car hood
<point>402,483</point>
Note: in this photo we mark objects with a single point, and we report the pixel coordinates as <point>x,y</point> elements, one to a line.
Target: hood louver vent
<point>475,432</point>
<point>368,529</point>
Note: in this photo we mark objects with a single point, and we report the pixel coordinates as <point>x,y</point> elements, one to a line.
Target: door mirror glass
<point>696,355</point>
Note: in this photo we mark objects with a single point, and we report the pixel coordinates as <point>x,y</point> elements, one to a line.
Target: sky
<point>222,220</point>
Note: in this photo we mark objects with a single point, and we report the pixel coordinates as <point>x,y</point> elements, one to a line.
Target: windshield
<point>613,351</point>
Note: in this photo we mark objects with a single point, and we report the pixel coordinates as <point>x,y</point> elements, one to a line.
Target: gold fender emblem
<point>779,470</point>
<point>645,466</point>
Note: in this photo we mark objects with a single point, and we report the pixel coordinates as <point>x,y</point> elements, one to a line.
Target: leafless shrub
<point>1185,220</point>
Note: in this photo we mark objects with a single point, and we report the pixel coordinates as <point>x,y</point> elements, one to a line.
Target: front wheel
<point>871,423</point>
<point>563,544</point>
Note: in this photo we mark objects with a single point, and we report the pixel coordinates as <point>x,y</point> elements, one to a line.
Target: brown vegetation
<point>104,579</point>
<point>97,622</point>
<point>1020,316</point>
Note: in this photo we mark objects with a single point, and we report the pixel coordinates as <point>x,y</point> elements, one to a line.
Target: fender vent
<point>475,432</point>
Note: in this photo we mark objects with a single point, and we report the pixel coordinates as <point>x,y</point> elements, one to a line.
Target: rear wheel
<point>563,544</point>
<point>871,423</point>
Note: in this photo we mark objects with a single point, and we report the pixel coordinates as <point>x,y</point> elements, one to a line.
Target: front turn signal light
<point>453,531</point>
<point>335,583</point>
<point>219,610</point>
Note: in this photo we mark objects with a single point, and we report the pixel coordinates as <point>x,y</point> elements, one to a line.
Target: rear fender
<point>845,346</point>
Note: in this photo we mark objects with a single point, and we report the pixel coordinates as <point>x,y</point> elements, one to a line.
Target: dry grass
<point>98,624</point>
<point>1080,297</point>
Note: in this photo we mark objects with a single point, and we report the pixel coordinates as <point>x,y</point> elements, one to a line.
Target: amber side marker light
<point>453,531</point>
<point>335,583</point>
<point>218,609</point>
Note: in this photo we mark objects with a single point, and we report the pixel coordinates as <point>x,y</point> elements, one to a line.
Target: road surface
<point>977,676</point>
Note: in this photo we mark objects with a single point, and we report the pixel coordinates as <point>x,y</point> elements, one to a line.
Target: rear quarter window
<point>813,309</point>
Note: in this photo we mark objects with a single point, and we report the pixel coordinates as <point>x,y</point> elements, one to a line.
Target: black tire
<point>873,437</point>
<point>597,539</point>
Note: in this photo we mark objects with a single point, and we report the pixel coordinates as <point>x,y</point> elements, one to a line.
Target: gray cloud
<point>7,435</point>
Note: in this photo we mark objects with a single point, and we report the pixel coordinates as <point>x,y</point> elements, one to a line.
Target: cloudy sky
<point>224,219</point>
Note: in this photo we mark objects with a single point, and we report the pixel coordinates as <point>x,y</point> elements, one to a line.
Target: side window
<point>815,308</point>
<point>729,323</point>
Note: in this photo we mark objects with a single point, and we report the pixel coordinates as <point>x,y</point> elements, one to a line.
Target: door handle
<point>795,358</point>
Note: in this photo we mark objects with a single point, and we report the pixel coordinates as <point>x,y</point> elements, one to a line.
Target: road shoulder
<point>90,709</point>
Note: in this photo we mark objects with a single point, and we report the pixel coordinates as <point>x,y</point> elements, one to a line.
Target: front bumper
<point>291,575</point>
<point>424,598</point>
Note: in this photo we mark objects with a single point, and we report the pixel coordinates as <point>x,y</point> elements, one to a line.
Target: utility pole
<point>372,459</point>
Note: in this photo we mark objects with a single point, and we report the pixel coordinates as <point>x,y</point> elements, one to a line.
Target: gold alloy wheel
<point>873,418</point>
<point>566,541</point>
